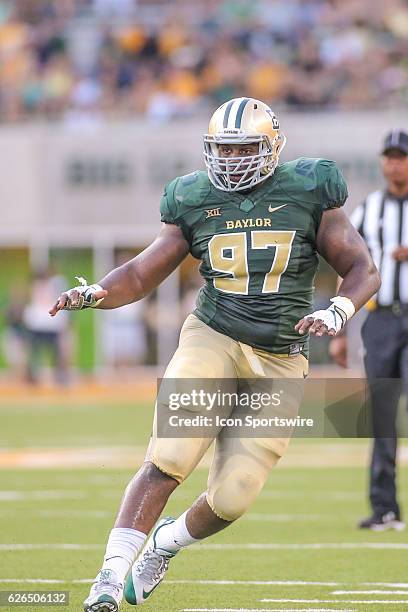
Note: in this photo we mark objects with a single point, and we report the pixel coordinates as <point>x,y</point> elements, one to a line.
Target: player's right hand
<point>400,253</point>
<point>338,350</point>
<point>77,298</point>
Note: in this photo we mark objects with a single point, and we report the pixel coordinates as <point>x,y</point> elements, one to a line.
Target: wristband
<point>345,305</point>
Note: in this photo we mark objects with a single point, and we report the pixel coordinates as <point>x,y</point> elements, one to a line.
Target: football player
<point>257,227</point>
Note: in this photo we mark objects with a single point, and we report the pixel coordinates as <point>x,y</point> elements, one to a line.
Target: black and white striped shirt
<point>382,221</point>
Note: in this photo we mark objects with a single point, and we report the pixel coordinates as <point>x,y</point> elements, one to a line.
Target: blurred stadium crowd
<point>98,58</point>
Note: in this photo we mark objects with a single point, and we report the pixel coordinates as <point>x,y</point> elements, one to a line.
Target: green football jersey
<point>257,249</point>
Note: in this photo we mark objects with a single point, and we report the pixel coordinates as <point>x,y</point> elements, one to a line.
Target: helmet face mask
<point>238,122</point>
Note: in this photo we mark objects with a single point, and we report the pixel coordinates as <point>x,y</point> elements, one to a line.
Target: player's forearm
<point>344,249</point>
<point>124,286</point>
<point>360,282</point>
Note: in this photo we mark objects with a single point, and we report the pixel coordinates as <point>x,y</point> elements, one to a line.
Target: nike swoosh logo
<point>147,593</point>
<point>272,209</point>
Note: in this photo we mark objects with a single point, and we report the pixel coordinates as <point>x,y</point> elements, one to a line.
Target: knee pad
<point>232,495</point>
<point>239,470</point>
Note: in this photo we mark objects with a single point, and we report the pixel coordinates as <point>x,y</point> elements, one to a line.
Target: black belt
<point>396,308</point>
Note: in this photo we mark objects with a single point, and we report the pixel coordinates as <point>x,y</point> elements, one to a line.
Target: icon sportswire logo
<point>272,209</point>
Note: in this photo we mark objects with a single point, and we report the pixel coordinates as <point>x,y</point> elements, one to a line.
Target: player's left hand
<point>329,321</point>
<point>321,322</point>
<point>316,323</point>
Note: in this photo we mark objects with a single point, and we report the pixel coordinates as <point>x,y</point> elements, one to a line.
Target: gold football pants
<point>240,465</point>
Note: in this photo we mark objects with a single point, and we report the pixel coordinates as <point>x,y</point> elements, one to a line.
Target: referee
<point>382,221</point>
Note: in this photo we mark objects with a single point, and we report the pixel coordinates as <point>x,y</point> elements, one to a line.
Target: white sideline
<point>309,546</point>
<point>6,496</point>
<point>13,547</point>
<point>395,585</point>
<point>403,585</point>
<point>33,581</point>
<point>258,582</point>
<point>225,547</point>
<point>264,610</point>
<point>330,495</point>
<point>63,514</point>
<point>338,601</point>
<point>287,518</point>
<point>252,516</point>
<point>373,592</point>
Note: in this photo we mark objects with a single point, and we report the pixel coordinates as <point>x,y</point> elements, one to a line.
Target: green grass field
<point>297,549</point>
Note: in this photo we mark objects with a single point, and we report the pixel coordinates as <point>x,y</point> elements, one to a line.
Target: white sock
<point>175,536</point>
<point>121,550</point>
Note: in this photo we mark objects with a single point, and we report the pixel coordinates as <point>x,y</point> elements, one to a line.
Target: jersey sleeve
<point>332,188</point>
<point>168,209</point>
<point>172,211</point>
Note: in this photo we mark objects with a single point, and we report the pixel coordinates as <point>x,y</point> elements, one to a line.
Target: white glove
<point>336,316</point>
<point>82,296</point>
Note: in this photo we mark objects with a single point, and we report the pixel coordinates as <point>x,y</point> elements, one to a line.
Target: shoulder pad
<point>307,168</point>
<point>331,186</point>
<point>192,188</point>
<point>300,172</point>
<point>321,177</point>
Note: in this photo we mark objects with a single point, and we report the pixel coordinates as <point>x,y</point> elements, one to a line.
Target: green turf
<point>298,506</point>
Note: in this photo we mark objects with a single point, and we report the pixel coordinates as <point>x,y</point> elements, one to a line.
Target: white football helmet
<point>242,121</point>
